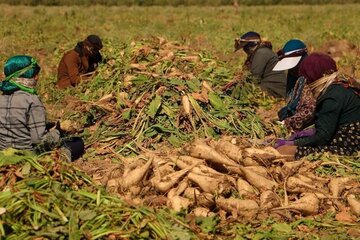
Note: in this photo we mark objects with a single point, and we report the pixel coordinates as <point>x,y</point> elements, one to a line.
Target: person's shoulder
<point>265,51</point>
<point>335,92</point>
<point>71,52</point>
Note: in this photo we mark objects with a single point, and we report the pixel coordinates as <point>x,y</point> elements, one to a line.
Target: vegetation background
<point>173,2</point>
<point>46,32</point>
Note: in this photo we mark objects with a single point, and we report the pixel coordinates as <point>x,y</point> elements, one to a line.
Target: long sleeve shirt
<point>22,122</point>
<point>262,63</point>
<point>337,106</point>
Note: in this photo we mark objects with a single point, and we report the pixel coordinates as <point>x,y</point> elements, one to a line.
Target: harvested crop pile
<point>227,178</point>
<point>45,199</point>
<point>155,91</point>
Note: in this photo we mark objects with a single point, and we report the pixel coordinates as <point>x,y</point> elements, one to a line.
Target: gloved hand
<point>304,133</point>
<point>282,142</point>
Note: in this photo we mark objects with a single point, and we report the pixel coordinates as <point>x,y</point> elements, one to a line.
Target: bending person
<point>300,106</point>
<point>80,62</point>
<point>23,115</point>
<point>337,114</point>
<point>260,61</point>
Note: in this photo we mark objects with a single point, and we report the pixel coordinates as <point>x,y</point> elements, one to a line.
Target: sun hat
<point>247,39</point>
<point>290,55</point>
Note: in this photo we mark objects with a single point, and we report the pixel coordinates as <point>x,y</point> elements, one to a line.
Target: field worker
<point>337,114</point>
<point>80,62</point>
<point>22,114</point>
<point>260,62</point>
<point>299,110</point>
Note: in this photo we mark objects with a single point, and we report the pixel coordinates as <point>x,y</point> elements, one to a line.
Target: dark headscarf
<point>316,65</point>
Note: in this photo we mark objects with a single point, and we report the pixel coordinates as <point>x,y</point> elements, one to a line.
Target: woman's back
<point>262,64</point>
<point>22,120</point>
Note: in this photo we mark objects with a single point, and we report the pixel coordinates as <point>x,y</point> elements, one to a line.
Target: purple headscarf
<point>316,65</point>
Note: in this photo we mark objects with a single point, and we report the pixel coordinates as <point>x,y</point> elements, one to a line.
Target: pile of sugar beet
<point>229,177</point>
<point>154,92</point>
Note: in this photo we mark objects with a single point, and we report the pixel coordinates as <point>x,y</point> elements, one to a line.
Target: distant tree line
<point>172,2</point>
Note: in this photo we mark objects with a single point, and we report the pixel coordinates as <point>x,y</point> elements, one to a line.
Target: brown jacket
<point>71,66</point>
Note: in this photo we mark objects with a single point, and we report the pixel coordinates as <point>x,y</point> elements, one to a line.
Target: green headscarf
<point>19,67</point>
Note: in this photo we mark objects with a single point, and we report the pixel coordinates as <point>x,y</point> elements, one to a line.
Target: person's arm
<point>258,64</point>
<point>326,124</point>
<point>37,126</point>
<point>72,65</point>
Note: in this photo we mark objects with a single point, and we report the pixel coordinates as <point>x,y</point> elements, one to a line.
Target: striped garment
<point>22,122</point>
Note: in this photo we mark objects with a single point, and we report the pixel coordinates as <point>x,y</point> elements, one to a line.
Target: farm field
<point>132,116</point>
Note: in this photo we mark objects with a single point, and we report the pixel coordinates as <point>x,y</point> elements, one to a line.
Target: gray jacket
<point>23,122</point>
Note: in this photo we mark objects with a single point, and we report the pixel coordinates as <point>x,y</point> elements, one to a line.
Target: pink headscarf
<point>316,65</point>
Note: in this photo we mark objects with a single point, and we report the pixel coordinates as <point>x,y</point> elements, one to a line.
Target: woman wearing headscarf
<point>300,107</point>
<point>260,62</point>
<point>23,115</point>
<point>337,113</point>
<point>79,62</point>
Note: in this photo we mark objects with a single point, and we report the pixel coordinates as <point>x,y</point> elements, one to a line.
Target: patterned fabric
<point>345,142</point>
<point>22,122</point>
<point>304,113</point>
<point>26,82</point>
<point>319,87</point>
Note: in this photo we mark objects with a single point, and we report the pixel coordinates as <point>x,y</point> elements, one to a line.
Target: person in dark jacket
<point>79,62</point>
<point>23,115</point>
<point>260,62</point>
<point>300,106</point>
<point>337,113</point>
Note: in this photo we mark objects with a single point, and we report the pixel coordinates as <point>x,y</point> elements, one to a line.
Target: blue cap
<point>293,45</point>
<point>290,55</point>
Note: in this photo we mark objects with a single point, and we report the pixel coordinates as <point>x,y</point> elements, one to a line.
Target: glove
<point>282,142</point>
<point>304,133</point>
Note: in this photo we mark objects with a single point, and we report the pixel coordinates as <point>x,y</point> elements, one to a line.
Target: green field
<point>48,31</point>
<point>84,210</point>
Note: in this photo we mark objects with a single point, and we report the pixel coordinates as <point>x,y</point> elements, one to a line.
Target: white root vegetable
<point>179,189</point>
<point>297,185</point>
<point>269,199</point>
<point>244,188</point>
<point>354,204</point>
<point>289,168</point>
<point>259,170</point>
<point>248,161</point>
<point>207,184</point>
<point>205,170</point>
<point>202,212</point>
<point>135,176</point>
<point>236,205</point>
<point>202,199</point>
<point>337,185</point>
<point>200,149</point>
<point>177,203</point>
<point>185,161</point>
<point>307,205</point>
<point>267,153</point>
<point>186,104</point>
<point>205,85</point>
<point>229,150</point>
<point>258,181</point>
<point>167,182</point>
